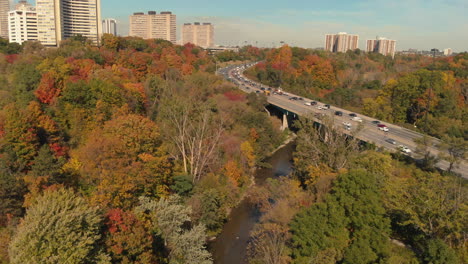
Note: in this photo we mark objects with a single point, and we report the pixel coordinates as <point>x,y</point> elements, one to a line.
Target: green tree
<point>351,220</point>
<point>437,252</point>
<point>169,218</point>
<point>60,227</point>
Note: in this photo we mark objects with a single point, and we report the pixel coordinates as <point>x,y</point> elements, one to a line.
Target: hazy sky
<point>421,24</point>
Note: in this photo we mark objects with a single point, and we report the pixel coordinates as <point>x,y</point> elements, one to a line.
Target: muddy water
<point>230,247</point>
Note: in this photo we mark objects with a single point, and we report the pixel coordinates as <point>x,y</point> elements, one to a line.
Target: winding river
<point>231,245</point>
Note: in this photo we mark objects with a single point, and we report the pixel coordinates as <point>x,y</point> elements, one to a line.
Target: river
<point>231,245</point>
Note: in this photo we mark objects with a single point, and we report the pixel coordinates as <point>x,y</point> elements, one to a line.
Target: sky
<point>420,24</point>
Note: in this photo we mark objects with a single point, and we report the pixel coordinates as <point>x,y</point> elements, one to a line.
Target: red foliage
<point>58,149</point>
<point>11,58</point>
<point>47,90</point>
<point>115,220</point>
<point>235,95</point>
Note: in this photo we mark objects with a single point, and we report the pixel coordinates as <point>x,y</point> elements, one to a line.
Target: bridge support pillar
<point>284,124</point>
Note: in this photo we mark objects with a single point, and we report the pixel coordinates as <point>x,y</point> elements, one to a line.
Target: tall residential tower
<point>61,19</point>
<point>153,25</point>
<point>199,34</point>
<point>341,42</point>
<point>382,45</point>
<point>22,23</point>
<point>109,26</point>
<point>4,9</point>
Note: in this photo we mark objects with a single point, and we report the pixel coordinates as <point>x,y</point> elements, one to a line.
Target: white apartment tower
<point>153,25</point>
<point>109,26</point>
<point>4,9</point>
<point>22,23</point>
<point>62,19</point>
<point>383,46</point>
<point>199,34</point>
<point>341,42</point>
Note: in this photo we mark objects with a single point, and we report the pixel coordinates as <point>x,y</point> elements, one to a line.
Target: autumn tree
<point>128,239</point>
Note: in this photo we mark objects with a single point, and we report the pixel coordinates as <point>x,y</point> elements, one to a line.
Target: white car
<point>307,103</point>
<point>319,107</point>
<point>404,149</point>
<point>357,119</point>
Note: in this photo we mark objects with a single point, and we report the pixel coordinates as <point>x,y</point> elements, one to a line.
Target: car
<point>376,122</point>
<point>313,103</point>
<point>319,107</point>
<point>300,98</point>
<point>352,115</point>
<point>327,106</point>
<point>339,113</point>
<point>263,89</point>
<point>391,141</point>
<point>382,127</point>
<point>307,103</point>
<point>294,98</point>
<point>357,119</point>
<point>404,149</point>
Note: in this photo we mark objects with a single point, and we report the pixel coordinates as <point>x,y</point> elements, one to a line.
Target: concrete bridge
<point>392,139</point>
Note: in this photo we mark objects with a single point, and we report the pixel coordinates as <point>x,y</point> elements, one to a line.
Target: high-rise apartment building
<point>199,34</point>
<point>61,19</point>
<point>22,23</point>
<point>109,26</point>
<point>448,52</point>
<point>153,25</point>
<point>341,42</point>
<point>46,24</point>
<point>383,46</point>
<point>4,9</point>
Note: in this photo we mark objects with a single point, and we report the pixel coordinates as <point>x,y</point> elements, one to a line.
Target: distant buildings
<point>448,52</point>
<point>153,26</point>
<point>199,34</point>
<point>22,23</point>
<point>4,9</point>
<point>109,26</point>
<point>382,45</point>
<point>61,19</point>
<point>341,42</point>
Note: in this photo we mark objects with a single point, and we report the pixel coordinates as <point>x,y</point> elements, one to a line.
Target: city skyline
<point>414,24</point>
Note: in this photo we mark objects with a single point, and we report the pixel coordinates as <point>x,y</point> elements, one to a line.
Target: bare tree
<point>454,151</point>
<point>195,132</point>
<point>325,143</point>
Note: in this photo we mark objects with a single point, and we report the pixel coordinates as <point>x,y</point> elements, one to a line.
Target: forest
<point>136,145</point>
<point>136,152</point>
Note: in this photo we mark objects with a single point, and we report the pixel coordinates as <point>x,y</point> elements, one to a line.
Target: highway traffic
<point>382,134</point>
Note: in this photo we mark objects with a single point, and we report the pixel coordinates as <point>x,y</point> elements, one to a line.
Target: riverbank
<point>230,246</point>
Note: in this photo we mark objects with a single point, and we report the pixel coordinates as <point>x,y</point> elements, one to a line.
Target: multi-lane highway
<point>382,134</point>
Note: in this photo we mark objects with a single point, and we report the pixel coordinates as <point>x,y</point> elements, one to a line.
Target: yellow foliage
<point>248,153</point>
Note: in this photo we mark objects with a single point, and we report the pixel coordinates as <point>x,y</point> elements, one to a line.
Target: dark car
<point>352,115</point>
<point>376,122</point>
<point>327,106</point>
<point>313,103</point>
<point>339,113</point>
<point>300,98</point>
<point>293,98</point>
<point>391,141</point>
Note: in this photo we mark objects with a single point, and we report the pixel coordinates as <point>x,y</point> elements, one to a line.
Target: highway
<point>368,129</point>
